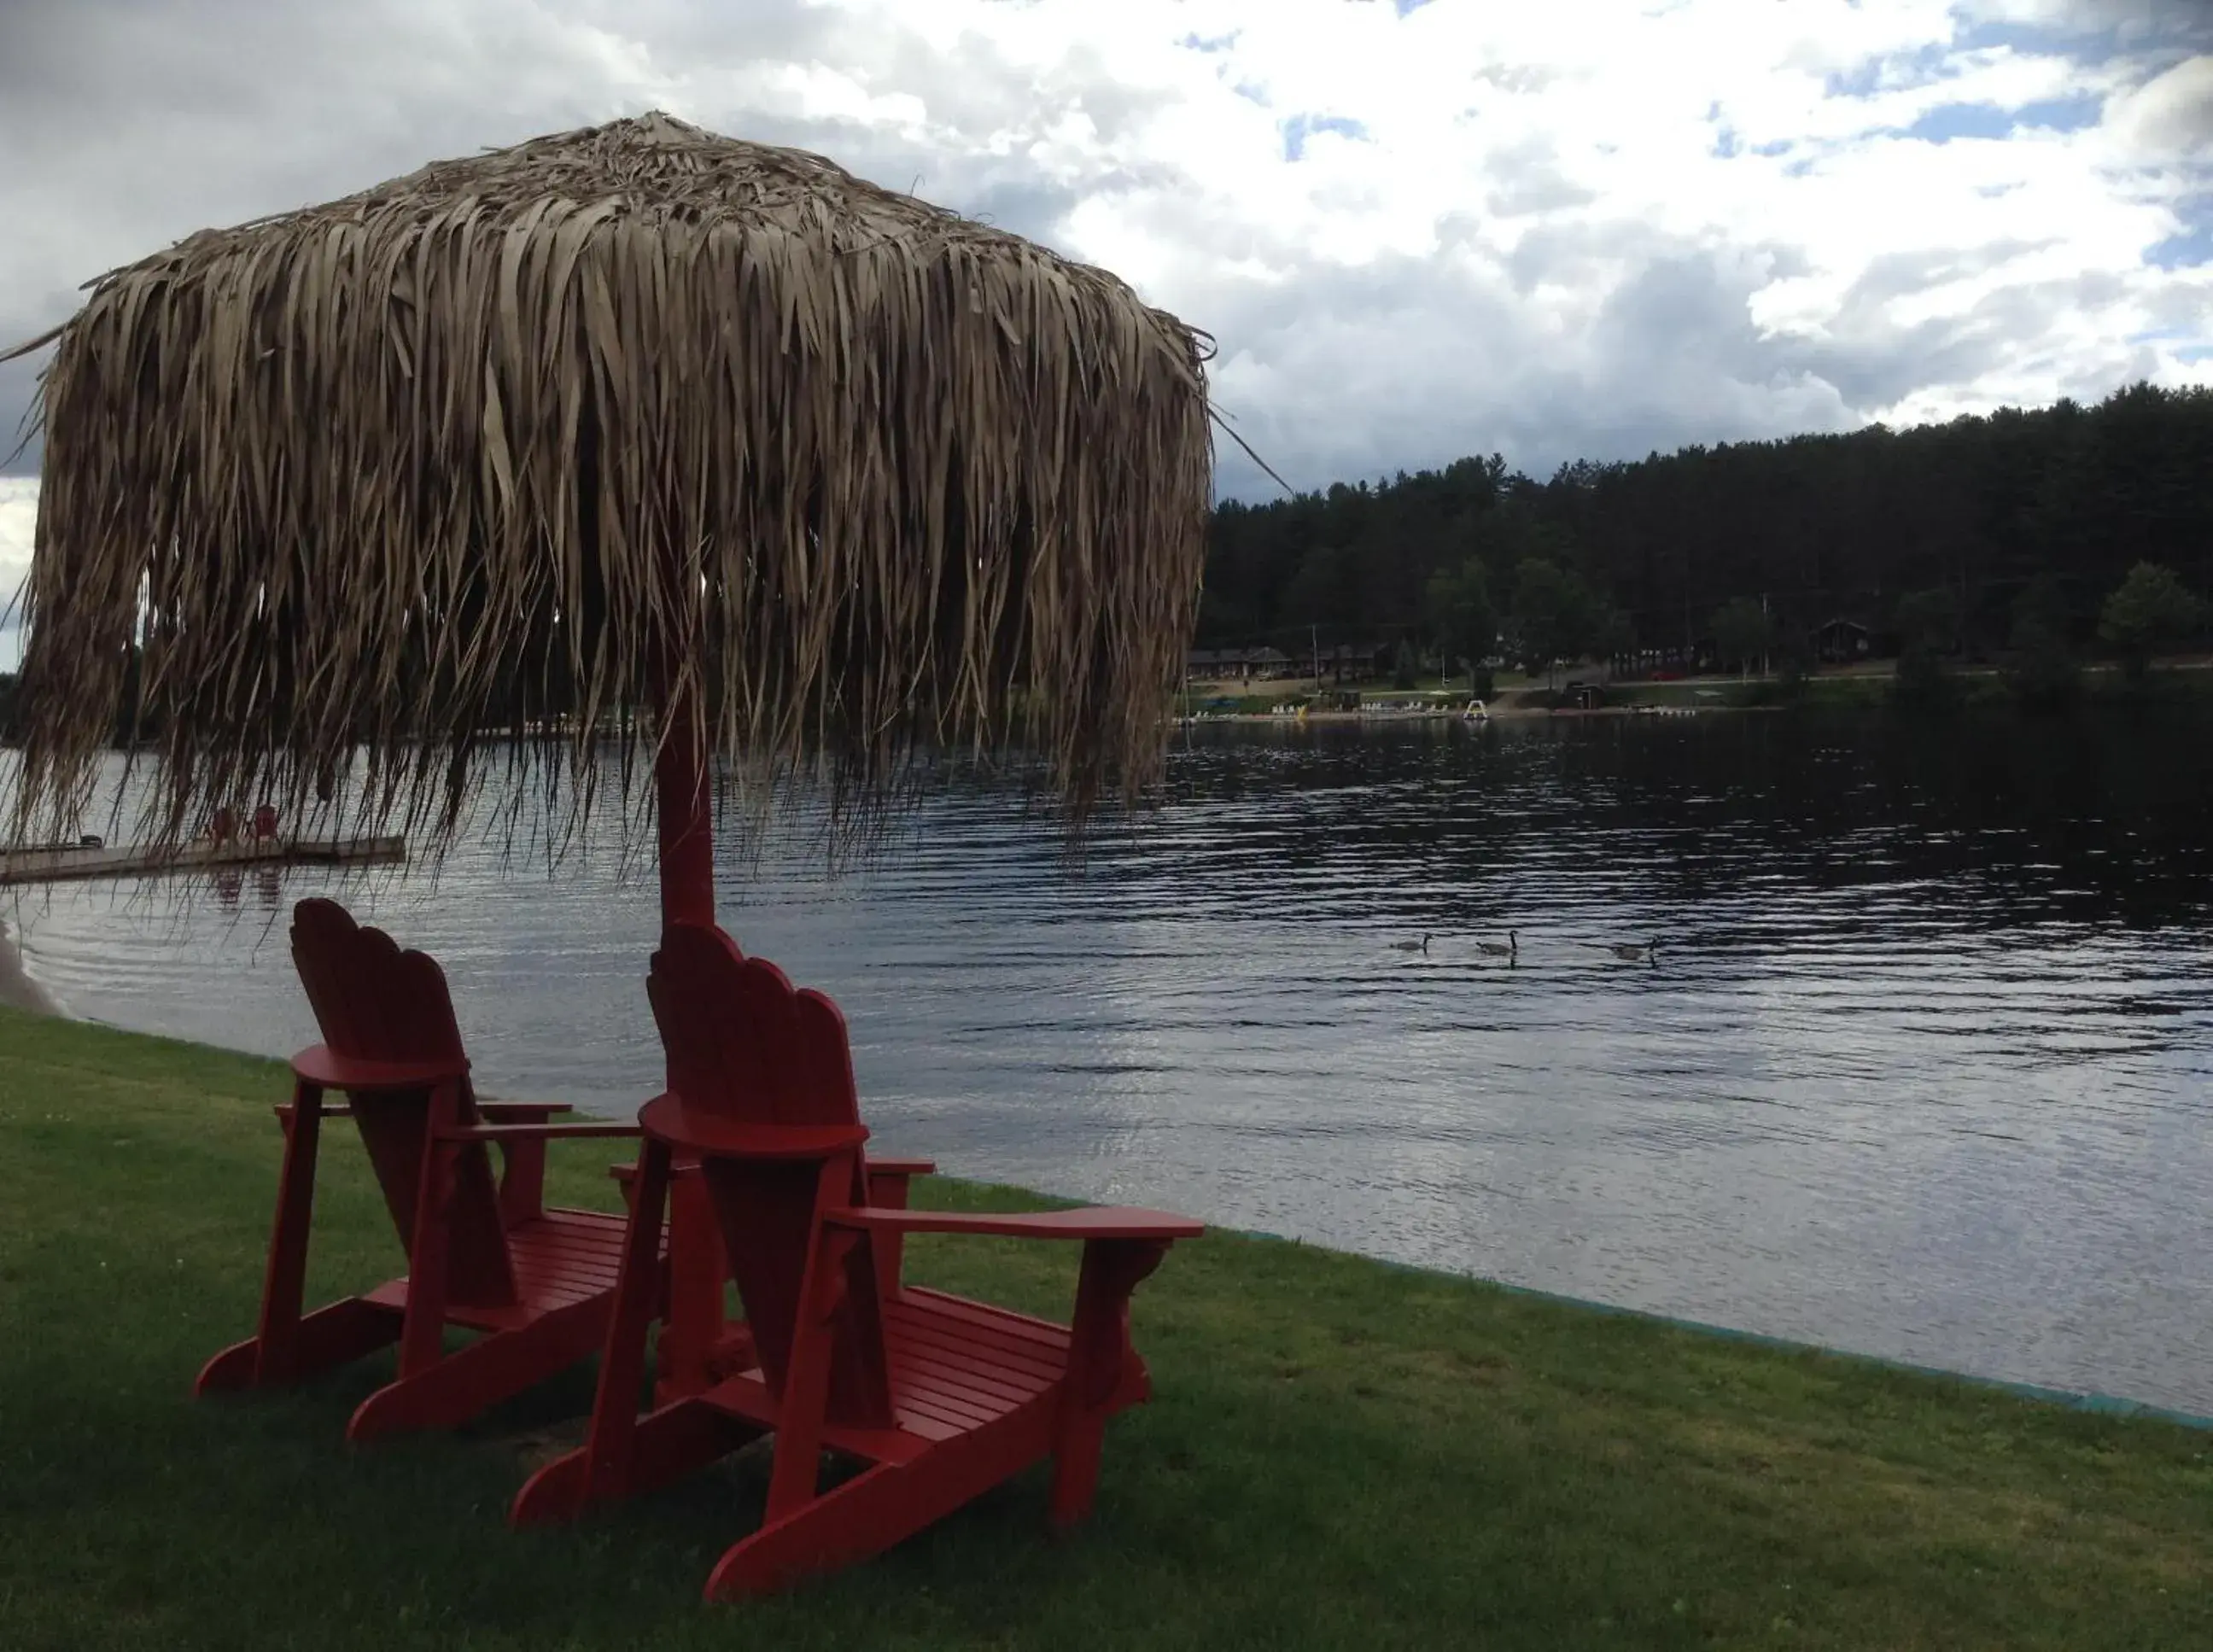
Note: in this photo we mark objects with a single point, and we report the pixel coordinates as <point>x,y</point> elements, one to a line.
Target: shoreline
<point>1507,713</point>
<point>2087,1400</point>
<point>18,990</point>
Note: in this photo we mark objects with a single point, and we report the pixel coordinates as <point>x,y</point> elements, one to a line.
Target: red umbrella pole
<point>697,1265</point>
<point>688,838</point>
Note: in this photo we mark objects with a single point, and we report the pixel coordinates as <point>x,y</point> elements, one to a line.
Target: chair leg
<point>876,1508</point>
<point>1100,1361</point>
<point>889,1193</point>
<point>332,1336</point>
<point>667,1445</point>
<point>697,1272</point>
<point>230,1370</point>
<point>610,1448</point>
<point>421,1335</point>
<point>1075,1467</point>
<point>522,1181</point>
<point>797,1469</point>
<point>274,1338</point>
<point>469,1380</point>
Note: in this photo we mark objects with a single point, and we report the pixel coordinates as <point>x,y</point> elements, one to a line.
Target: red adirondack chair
<point>538,1284</point>
<point>941,1397</point>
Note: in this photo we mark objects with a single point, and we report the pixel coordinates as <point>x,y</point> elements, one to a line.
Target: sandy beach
<point>17,990</point>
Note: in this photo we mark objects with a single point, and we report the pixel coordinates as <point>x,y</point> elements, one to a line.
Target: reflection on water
<point>1920,1068</point>
<point>229,886</point>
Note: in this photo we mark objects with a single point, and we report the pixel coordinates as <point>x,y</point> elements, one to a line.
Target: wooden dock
<point>133,861</point>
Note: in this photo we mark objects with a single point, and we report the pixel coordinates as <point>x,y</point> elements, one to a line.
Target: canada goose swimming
<point>1509,947</point>
<point>1422,945</point>
<point>1629,952</point>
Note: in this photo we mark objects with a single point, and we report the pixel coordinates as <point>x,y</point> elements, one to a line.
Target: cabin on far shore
<point>1841,641</point>
<point>1338,663</point>
<point>1235,665</point>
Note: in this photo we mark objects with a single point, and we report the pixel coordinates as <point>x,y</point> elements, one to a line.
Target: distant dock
<point>136,860</point>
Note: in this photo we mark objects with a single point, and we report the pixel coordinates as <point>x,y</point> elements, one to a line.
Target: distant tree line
<point>517,699</point>
<point>1969,538</point>
<point>9,730</point>
<point>2030,535</point>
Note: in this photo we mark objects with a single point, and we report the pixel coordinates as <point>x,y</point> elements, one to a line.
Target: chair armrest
<point>885,1186</point>
<point>1093,1221</point>
<point>627,1173</point>
<point>320,1064</point>
<point>901,1167</point>
<point>1122,1247</point>
<point>521,1112</point>
<point>597,1128</point>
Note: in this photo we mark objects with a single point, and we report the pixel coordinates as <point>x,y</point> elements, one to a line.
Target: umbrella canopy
<point>495,455</point>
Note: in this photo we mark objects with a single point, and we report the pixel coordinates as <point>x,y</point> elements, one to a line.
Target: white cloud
<point>1554,230</point>
<point>19,510</point>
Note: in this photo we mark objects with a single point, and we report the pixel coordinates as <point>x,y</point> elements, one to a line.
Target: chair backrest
<point>372,1001</point>
<point>742,1043</point>
<point>745,1046</point>
<point>376,1002</point>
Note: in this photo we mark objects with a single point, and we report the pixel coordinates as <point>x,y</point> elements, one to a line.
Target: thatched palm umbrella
<point>634,417</point>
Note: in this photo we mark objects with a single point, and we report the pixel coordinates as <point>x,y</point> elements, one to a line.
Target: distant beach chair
<point>265,824</point>
<point>538,1284</point>
<point>939,1397</point>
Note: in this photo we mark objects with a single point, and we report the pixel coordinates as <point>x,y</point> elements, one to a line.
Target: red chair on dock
<point>940,1397</point>
<point>484,1256</point>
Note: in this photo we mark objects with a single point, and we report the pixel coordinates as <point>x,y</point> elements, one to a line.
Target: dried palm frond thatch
<point>530,442</point>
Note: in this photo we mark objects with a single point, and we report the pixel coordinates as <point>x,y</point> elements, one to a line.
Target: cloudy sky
<point>1417,229</point>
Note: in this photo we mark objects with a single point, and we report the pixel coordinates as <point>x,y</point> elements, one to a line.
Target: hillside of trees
<point>1943,536</point>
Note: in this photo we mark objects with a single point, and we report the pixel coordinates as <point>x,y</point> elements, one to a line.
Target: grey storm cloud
<point>127,125</point>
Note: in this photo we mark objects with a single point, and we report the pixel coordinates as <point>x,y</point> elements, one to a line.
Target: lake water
<point>1921,1070</point>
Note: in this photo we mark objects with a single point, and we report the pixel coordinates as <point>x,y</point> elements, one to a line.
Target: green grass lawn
<point>1340,1454</point>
